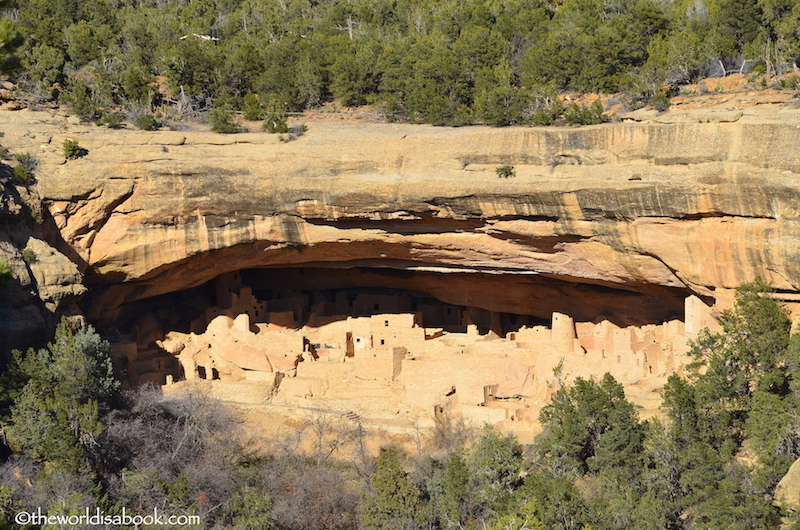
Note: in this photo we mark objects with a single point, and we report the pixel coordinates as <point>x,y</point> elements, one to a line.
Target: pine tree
<point>589,426</point>
<point>495,463</point>
<point>742,387</point>
<point>393,504</point>
<point>70,386</point>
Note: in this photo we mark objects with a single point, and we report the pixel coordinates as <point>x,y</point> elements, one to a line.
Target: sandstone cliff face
<point>608,226</point>
<point>45,285</point>
<point>651,211</point>
<point>787,492</point>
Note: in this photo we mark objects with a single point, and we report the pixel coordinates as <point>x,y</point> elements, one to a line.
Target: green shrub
<point>505,172</point>
<point>227,101</point>
<point>395,501</point>
<point>274,126</point>
<point>752,77</point>
<point>72,149</point>
<point>22,174</point>
<point>79,101</point>
<point>221,121</point>
<point>293,132</point>
<point>112,120</point>
<point>660,101</point>
<point>147,122</point>
<point>27,160</point>
<point>252,509</point>
<point>547,109</point>
<point>29,256</point>
<point>275,119</point>
<point>5,272</point>
<point>790,82</point>
<point>71,383</point>
<point>591,115</point>
<point>547,115</point>
<point>393,108</point>
<point>502,106</point>
<point>252,107</point>
<point>26,163</point>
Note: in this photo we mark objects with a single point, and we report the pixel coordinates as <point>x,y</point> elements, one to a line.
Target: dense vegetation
<point>732,430</point>
<point>436,61</point>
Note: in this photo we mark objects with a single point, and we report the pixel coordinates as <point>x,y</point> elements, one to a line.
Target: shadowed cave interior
<point>496,305</point>
<point>500,302</point>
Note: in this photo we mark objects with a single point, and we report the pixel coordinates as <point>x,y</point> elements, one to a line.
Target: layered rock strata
<point>661,210</point>
<point>44,284</point>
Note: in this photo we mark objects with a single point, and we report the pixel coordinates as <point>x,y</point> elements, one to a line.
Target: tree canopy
<point>437,61</point>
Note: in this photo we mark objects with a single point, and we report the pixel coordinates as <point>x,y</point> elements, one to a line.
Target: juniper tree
<point>393,503</point>
<point>70,386</point>
<point>743,386</point>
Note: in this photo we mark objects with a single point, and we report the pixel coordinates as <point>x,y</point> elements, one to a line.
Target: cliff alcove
<point>498,302</point>
<point>610,262</point>
<point>327,337</point>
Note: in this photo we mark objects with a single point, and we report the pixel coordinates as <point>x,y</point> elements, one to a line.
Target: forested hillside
<point>436,61</point>
<point>730,433</point>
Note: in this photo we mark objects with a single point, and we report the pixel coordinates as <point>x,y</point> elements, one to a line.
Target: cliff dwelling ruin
<point>335,336</point>
<point>395,275</point>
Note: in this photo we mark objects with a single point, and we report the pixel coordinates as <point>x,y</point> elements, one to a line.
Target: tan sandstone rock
<point>644,208</point>
<point>787,492</point>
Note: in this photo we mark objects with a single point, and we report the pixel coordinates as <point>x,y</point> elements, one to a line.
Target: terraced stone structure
<point>614,229</point>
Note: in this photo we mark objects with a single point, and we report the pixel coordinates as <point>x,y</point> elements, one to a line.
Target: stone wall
<point>413,371</point>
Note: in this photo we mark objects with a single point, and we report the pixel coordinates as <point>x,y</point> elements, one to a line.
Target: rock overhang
<point>647,209</point>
